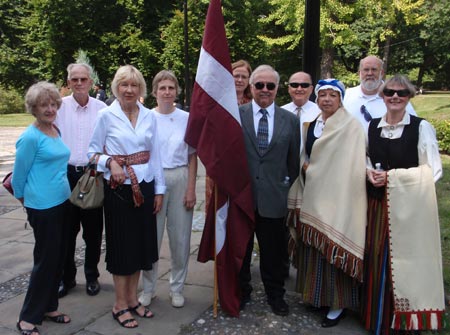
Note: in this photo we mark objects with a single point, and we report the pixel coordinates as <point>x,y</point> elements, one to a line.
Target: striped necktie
<point>263,132</point>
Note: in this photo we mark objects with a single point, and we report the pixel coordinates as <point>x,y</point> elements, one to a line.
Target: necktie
<point>365,113</point>
<point>298,111</point>
<point>263,132</point>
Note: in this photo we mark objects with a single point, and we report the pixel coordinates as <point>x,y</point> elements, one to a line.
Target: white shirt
<point>354,98</point>
<point>270,117</point>
<point>76,124</point>
<point>309,113</point>
<point>427,146</point>
<point>114,133</point>
<point>171,131</point>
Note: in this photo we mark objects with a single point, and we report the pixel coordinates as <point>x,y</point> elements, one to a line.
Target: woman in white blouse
<point>180,170</point>
<point>126,136</point>
<point>403,285</point>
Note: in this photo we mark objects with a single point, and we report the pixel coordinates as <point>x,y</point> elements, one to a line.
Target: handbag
<point>88,192</point>
<point>7,183</point>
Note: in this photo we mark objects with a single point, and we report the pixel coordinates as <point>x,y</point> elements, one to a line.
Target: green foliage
<point>442,134</point>
<point>11,102</point>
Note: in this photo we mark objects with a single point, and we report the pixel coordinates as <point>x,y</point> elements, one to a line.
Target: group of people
<point>334,177</point>
<point>146,188</point>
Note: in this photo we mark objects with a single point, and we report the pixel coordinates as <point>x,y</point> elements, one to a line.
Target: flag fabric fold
<point>214,129</point>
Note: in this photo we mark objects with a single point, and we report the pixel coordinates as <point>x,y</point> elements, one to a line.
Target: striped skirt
<point>377,295</point>
<point>322,284</point>
<point>131,240</point>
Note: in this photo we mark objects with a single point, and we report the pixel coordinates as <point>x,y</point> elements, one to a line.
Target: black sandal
<point>60,318</point>
<point>26,331</point>
<point>123,323</point>
<point>146,311</point>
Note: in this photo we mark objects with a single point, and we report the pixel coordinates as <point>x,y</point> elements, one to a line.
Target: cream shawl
<point>415,249</point>
<point>329,208</point>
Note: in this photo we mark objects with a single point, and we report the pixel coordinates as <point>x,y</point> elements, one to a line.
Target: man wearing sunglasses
<point>363,101</point>
<point>300,88</point>
<point>272,141</point>
<point>76,120</point>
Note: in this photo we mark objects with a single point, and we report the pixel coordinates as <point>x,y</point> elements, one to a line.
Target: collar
<point>270,109</point>
<point>405,121</point>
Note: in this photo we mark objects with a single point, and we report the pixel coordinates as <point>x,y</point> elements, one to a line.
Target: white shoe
<point>146,298</point>
<point>177,299</point>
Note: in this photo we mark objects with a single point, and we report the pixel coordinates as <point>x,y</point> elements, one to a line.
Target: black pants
<point>271,235</point>
<point>50,232</point>
<point>92,222</point>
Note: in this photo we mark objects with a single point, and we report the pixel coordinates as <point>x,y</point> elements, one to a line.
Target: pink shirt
<point>76,124</point>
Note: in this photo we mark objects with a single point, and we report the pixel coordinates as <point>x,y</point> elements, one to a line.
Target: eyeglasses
<point>401,93</point>
<point>365,113</point>
<point>270,86</point>
<point>302,85</point>
<point>76,80</point>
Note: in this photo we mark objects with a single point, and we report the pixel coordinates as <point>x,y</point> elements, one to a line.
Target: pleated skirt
<point>130,232</point>
<point>322,284</point>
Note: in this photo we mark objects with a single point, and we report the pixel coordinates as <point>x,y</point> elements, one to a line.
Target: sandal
<point>60,318</point>
<point>26,331</point>
<point>145,314</point>
<point>123,323</point>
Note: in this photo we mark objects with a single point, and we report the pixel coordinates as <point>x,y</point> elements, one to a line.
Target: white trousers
<point>179,226</point>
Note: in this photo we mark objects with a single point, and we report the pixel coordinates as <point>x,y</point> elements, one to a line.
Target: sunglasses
<point>302,85</point>
<point>401,93</point>
<point>365,113</point>
<point>76,80</point>
<point>270,86</point>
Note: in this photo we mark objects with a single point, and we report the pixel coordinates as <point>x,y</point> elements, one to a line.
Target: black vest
<point>399,153</point>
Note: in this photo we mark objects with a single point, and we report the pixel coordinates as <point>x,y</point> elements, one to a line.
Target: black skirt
<point>131,242</point>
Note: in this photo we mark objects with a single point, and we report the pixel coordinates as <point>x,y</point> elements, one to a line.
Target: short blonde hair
<point>41,92</point>
<point>129,72</point>
<point>164,75</point>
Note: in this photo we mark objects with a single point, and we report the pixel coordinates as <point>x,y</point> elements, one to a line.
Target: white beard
<point>371,85</point>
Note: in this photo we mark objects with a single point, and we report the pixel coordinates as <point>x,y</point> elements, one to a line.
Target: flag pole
<point>216,291</point>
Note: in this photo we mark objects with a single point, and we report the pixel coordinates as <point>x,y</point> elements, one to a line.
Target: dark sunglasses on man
<point>270,86</point>
<point>302,85</point>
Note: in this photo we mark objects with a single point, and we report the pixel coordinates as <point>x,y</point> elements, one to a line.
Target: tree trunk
<point>326,66</point>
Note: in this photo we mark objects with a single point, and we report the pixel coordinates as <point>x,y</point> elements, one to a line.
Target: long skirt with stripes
<point>322,284</point>
<point>377,309</point>
<point>131,241</point>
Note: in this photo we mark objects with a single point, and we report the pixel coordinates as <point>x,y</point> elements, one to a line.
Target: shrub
<point>11,102</point>
<point>443,134</point>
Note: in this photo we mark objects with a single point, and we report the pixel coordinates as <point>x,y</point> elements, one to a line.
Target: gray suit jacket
<point>281,160</point>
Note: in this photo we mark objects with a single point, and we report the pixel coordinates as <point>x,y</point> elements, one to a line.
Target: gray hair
<point>41,92</point>
<point>264,68</point>
<point>85,65</point>
<point>400,80</point>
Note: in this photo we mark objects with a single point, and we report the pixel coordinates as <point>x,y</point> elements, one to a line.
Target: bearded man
<point>363,101</point>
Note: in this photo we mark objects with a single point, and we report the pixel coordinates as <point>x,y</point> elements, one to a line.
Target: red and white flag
<point>214,129</point>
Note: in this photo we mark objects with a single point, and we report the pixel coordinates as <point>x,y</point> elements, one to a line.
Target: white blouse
<point>115,135</point>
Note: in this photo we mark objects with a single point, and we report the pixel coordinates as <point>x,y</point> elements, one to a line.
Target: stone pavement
<point>92,315</point>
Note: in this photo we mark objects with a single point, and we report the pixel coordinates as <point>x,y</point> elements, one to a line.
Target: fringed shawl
<point>415,249</point>
<point>329,208</point>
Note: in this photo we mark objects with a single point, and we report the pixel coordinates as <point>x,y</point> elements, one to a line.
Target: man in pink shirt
<point>76,120</point>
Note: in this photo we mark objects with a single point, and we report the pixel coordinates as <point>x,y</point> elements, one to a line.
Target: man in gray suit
<point>272,141</point>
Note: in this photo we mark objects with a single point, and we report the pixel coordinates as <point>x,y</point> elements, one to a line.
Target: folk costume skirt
<point>131,239</point>
<point>322,284</point>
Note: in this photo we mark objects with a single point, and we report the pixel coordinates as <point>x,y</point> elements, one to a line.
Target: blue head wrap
<point>331,83</point>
